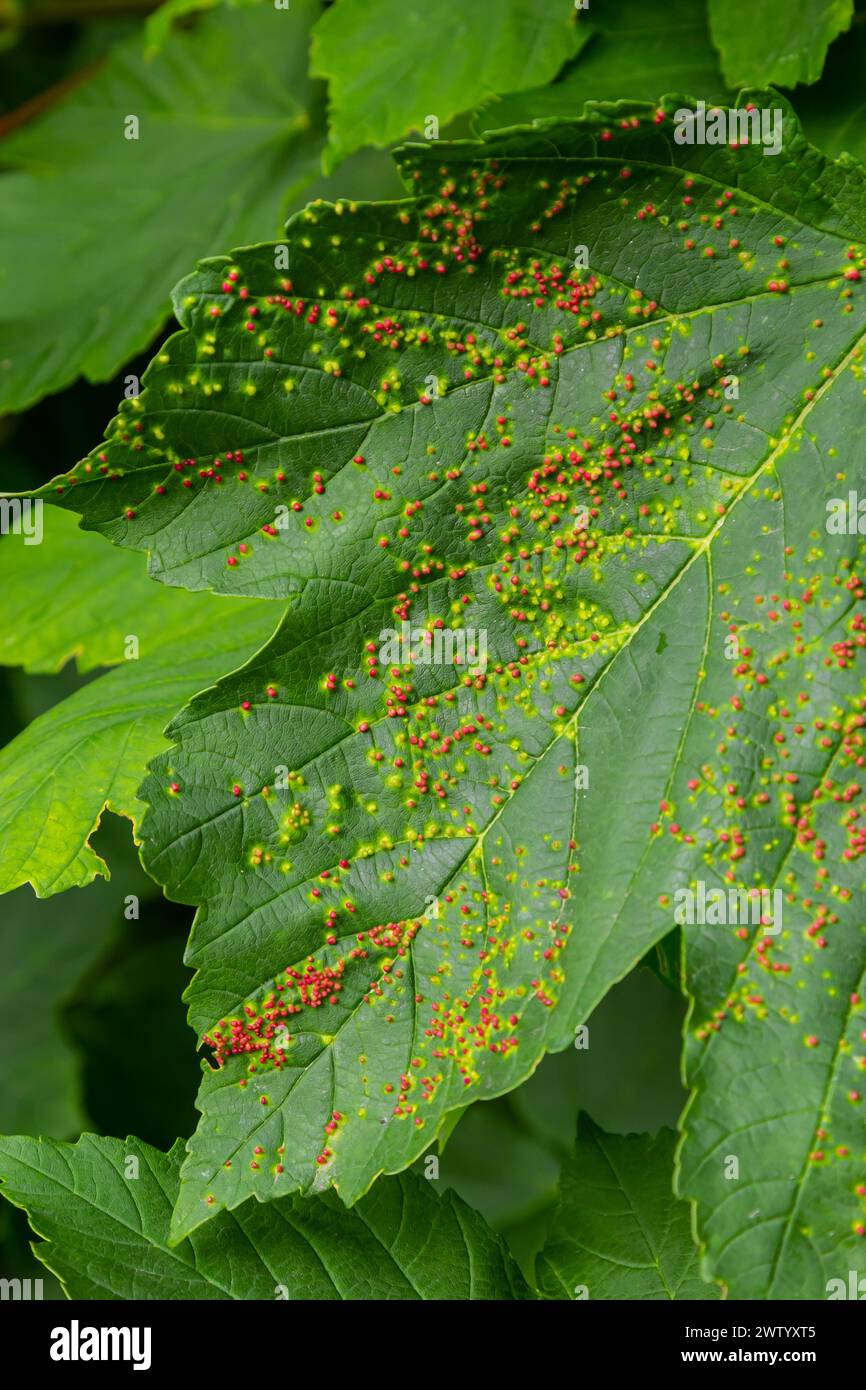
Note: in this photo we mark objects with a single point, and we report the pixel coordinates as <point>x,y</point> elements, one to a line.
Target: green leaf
<point>161,23</point>
<point>717,384</point>
<point>71,596</point>
<point>89,752</point>
<point>103,1208</point>
<point>833,110</point>
<point>378,88</point>
<point>619,1232</point>
<point>97,227</point>
<point>17,1260</point>
<point>636,51</point>
<point>761,41</point>
<point>773,1149</point>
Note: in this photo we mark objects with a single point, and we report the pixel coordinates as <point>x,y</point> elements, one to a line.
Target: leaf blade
<point>770,44</point>
<point>634,53</point>
<point>72,595</point>
<point>610,673</point>
<point>619,1232</point>
<point>378,91</point>
<point>105,1220</point>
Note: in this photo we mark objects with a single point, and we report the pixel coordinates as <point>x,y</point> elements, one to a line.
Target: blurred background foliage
<point>94,230</point>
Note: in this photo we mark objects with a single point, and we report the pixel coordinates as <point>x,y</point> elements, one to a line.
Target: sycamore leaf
<point>557,406</point>
<point>98,217</point>
<point>619,1232</point>
<point>639,52</point>
<point>378,88</point>
<point>72,594</point>
<point>636,51</point>
<point>773,1152</point>
<point>761,41</point>
<point>103,1207</point>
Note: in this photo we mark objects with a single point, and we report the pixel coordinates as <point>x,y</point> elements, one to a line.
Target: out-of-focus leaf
<point>624,1070</point>
<point>500,1169</point>
<point>619,1232</point>
<point>392,65</point>
<point>637,51</point>
<point>95,227</point>
<point>73,595</point>
<point>833,111</point>
<point>763,41</point>
<point>163,19</point>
